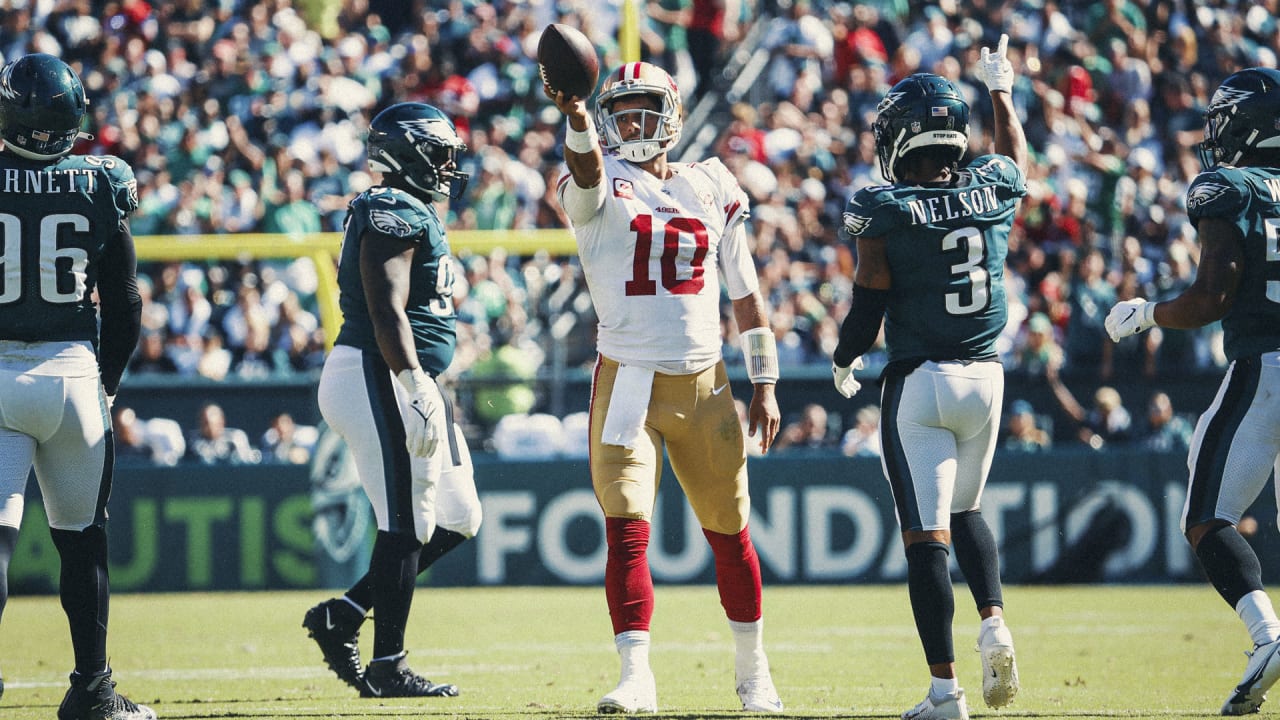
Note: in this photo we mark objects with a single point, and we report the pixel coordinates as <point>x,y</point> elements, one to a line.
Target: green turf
<point>848,651</point>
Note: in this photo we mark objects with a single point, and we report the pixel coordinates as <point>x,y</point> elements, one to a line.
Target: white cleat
<point>758,694</point>
<point>635,694</point>
<point>1260,673</point>
<point>951,707</point>
<point>999,670</point>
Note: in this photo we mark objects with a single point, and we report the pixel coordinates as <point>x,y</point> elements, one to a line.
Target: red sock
<point>628,586</point>
<point>737,574</point>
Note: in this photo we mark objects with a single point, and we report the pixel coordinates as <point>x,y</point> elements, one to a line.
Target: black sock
<point>86,593</point>
<point>978,558</point>
<point>8,540</point>
<point>1230,564</point>
<point>441,542</point>
<point>393,570</point>
<point>932,603</point>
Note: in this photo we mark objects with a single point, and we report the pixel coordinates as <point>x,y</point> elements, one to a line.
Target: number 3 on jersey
<point>684,249</point>
<point>971,242</point>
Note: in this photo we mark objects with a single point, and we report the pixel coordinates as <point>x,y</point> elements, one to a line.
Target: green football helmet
<point>922,110</point>
<point>1242,118</point>
<point>418,144</point>
<point>42,105</point>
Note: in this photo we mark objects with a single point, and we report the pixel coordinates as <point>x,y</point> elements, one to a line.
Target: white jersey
<point>652,256</point>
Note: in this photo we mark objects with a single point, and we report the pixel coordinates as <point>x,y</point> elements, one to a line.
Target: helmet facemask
<point>640,79</point>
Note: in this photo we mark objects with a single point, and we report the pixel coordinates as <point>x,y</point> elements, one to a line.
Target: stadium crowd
<point>248,116</point>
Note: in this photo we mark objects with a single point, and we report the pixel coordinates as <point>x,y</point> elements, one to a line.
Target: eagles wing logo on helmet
<point>389,223</point>
<point>423,128</point>
<point>6,87</point>
<point>1204,193</point>
<point>855,224</point>
<point>889,101</point>
<point>1227,95</point>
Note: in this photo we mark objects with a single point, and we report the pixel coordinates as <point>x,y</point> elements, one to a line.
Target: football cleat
<point>394,679</point>
<point>758,694</point>
<point>637,693</point>
<point>94,697</point>
<point>335,626</point>
<point>1260,673</point>
<point>951,707</point>
<point>999,669</point>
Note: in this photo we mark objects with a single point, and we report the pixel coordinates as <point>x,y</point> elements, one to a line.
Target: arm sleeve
<point>121,309</point>
<point>861,326</point>
<point>739,267</point>
<point>581,204</point>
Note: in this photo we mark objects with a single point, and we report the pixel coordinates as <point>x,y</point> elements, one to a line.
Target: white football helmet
<point>640,78</point>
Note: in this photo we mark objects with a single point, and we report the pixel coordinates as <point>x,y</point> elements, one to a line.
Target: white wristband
<point>582,142</point>
<point>760,351</point>
<point>414,380</point>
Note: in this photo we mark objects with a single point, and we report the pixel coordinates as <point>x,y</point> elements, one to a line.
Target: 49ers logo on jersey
<point>623,189</point>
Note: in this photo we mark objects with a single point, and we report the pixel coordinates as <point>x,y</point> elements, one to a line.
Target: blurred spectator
<point>215,359</point>
<point>158,440</point>
<point>287,442</point>
<point>1165,431</point>
<point>152,356</point>
<point>1024,433</point>
<point>502,381</point>
<point>863,439</point>
<point>257,359</point>
<point>669,20</point>
<point>811,430</point>
<point>1088,349</point>
<point>1105,422</point>
<point>800,42</point>
<point>711,27</point>
<point>213,443</point>
<point>1036,350</point>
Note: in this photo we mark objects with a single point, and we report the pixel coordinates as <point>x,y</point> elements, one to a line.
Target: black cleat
<point>335,626</point>
<point>393,678</point>
<point>94,697</point>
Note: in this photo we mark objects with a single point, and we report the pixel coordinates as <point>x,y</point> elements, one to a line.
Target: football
<point>567,60</point>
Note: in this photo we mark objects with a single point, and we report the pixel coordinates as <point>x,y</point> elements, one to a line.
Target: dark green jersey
<point>946,246</point>
<point>397,215</point>
<point>57,220</point>
<point>1249,198</point>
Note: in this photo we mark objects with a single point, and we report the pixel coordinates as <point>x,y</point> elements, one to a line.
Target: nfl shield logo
<point>623,189</point>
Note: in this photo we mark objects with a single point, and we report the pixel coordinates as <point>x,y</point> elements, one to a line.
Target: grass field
<point>849,651</point>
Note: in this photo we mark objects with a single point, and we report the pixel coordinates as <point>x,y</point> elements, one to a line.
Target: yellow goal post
<point>323,249</point>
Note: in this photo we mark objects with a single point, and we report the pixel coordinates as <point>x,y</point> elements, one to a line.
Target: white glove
<point>1130,318</point>
<point>421,434</point>
<point>846,384</point>
<point>994,68</point>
